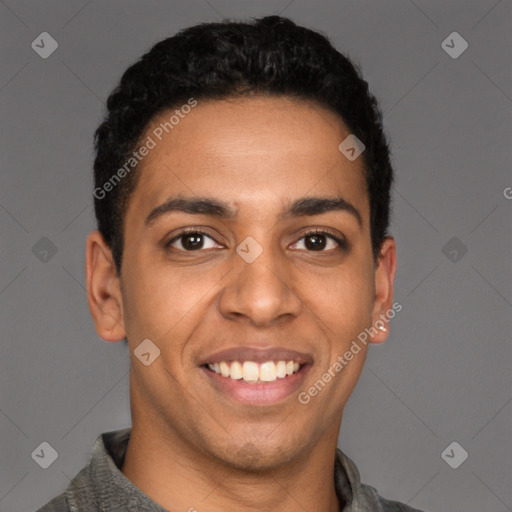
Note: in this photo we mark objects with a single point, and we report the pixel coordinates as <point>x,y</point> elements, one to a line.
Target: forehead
<point>262,148</point>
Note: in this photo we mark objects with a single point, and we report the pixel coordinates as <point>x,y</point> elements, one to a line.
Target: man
<point>242,188</point>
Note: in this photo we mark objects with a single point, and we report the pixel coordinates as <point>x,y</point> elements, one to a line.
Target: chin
<point>250,456</point>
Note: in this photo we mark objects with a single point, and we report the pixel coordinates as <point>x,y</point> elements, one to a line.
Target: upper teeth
<point>252,372</point>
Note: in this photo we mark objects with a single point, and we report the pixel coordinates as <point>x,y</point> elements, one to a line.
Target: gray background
<point>444,374</point>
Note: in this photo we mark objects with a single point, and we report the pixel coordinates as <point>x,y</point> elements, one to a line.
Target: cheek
<point>161,299</point>
<point>342,298</point>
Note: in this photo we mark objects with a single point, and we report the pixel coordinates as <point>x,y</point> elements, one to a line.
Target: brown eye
<point>320,241</point>
<point>192,241</point>
<point>315,242</point>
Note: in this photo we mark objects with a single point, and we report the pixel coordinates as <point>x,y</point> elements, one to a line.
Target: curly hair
<point>271,55</point>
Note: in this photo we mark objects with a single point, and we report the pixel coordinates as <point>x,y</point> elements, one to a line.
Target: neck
<point>178,477</point>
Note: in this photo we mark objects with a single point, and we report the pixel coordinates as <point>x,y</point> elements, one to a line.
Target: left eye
<point>318,241</point>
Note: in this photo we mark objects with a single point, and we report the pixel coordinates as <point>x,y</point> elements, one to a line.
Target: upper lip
<point>258,355</point>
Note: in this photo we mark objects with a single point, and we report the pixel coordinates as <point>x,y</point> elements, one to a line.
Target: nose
<point>261,292</point>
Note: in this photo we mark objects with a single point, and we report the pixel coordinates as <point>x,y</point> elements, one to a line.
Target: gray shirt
<point>101,486</point>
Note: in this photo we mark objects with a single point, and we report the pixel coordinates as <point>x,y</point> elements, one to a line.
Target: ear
<point>103,289</point>
<point>384,279</point>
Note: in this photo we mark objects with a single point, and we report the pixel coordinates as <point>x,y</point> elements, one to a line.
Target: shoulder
<point>93,483</point>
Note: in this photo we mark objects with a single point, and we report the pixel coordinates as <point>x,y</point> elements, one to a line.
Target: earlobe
<point>384,279</point>
<point>103,289</point>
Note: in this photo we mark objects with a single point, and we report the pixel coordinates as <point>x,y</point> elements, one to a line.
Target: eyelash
<point>196,231</point>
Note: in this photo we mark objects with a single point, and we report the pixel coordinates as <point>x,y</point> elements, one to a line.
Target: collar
<point>116,493</point>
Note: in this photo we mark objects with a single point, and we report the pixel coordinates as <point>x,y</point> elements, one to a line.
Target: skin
<point>192,446</point>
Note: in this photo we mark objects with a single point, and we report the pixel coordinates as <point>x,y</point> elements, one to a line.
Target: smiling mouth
<point>255,373</point>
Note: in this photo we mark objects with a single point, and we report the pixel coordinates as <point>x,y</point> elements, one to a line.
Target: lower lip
<point>258,394</point>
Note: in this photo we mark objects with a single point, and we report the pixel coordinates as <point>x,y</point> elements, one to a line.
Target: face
<point>247,239</point>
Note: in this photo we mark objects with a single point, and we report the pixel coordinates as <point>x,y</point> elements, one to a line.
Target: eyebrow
<point>305,206</point>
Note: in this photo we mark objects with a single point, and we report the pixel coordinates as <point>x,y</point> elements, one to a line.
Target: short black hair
<point>271,56</point>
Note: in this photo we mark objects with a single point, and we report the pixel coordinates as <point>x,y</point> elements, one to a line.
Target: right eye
<point>191,240</point>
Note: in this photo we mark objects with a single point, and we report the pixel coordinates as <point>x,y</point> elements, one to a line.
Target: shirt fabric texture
<point>101,486</point>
